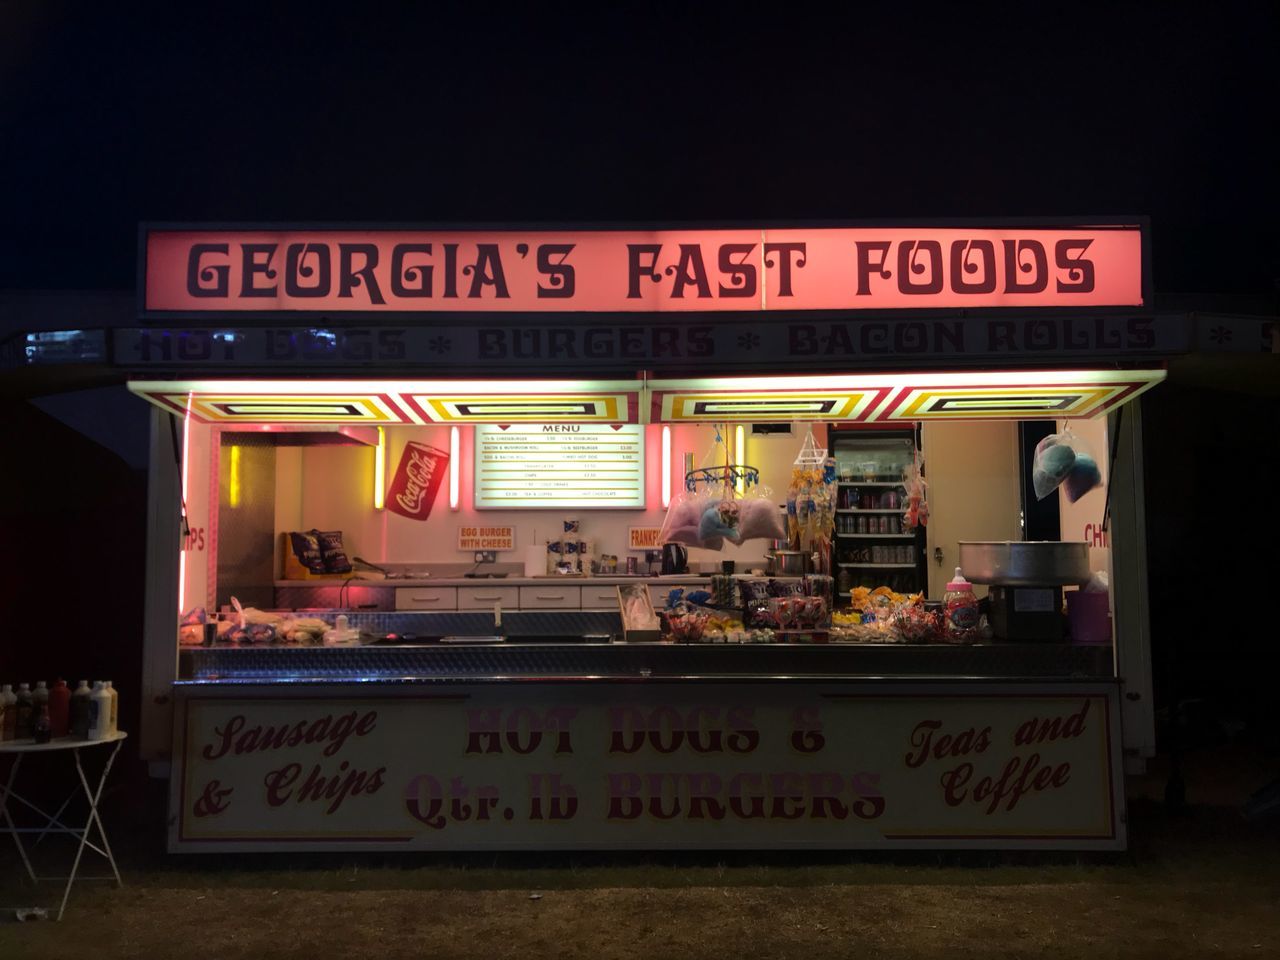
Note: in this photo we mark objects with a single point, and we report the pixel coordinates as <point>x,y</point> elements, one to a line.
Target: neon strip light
<point>1002,403</point>
<point>453,468</point>
<point>182,551</point>
<point>233,481</point>
<point>666,466</point>
<point>530,408</point>
<point>769,405</point>
<point>300,408</point>
<point>740,456</point>
<point>380,470</point>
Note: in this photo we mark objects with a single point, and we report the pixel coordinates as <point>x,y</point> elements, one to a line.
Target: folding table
<point>55,823</point>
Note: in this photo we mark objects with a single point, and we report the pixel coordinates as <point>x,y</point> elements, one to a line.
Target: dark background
<point>115,113</point>
<point>112,115</point>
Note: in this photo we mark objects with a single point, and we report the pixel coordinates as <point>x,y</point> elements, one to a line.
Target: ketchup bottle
<point>60,709</point>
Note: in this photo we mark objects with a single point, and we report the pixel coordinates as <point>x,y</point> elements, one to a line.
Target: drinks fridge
<point>872,545</point>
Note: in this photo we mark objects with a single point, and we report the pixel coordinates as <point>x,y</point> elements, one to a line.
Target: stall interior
<point>869,513</point>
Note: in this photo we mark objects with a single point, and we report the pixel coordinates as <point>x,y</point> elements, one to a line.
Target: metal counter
<point>642,661</point>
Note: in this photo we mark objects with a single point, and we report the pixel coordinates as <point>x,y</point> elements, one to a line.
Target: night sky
<point>651,113</point>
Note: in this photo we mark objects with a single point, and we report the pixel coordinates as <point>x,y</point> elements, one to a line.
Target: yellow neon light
<point>762,406</point>
<point>380,470</point>
<point>740,455</point>
<point>233,482</point>
<point>534,408</point>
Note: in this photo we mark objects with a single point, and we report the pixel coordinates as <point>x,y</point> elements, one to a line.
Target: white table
<point>54,823</point>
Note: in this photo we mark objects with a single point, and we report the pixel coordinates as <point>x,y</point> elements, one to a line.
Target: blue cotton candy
<point>711,526</point>
<point>1057,460</point>
<point>1084,476</point>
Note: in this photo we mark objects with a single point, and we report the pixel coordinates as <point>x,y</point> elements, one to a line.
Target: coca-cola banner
<point>1087,265</point>
<point>417,480</point>
<point>625,765</point>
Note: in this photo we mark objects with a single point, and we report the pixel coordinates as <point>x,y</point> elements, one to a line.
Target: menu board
<point>543,466</point>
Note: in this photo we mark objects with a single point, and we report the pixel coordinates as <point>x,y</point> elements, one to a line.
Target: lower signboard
<point>649,765</point>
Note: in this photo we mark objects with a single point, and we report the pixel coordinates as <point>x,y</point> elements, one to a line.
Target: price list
<point>531,466</point>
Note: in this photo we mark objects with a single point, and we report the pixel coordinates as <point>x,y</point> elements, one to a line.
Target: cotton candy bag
<point>1063,459</point>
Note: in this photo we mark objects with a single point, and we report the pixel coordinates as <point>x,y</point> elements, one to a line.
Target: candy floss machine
<point>1025,581</point>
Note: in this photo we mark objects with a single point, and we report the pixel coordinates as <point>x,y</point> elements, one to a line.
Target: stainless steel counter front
<point>657,661</point>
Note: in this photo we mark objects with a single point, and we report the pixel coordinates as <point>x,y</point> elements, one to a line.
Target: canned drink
<point>860,524</point>
<point>631,565</point>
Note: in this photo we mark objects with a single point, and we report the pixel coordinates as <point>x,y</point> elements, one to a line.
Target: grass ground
<point>1199,884</point>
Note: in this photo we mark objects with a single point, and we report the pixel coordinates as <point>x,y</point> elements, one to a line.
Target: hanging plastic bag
<point>683,520</point>
<point>811,498</point>
<point>1063,459</point>
<point>761,518</point>
<point>915,512</point>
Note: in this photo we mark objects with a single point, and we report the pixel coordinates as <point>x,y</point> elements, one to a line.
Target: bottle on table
<point>99,711</point>
<point>960,609</point>
<point>25,709</point>
<point>40,695</point>
<point>40,730</point>
<point>60,708</point>
<point>80,711</point>
<point>113,726</point>
<point>8,713</point>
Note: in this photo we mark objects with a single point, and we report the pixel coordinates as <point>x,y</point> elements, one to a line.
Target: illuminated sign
<point>656,271</point>
<point>525,466</point>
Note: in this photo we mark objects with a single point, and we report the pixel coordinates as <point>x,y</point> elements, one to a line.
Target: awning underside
<point>861,398</point>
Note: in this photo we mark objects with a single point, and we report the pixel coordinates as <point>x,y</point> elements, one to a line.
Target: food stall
<point>544,538</point>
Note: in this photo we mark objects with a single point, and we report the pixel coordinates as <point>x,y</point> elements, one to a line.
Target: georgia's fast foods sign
<point>612,271</point>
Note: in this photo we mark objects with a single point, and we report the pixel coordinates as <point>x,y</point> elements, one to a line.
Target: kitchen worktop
<point>511,581</point>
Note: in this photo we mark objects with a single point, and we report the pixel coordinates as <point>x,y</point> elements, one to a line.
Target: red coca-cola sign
<point>417,480</point>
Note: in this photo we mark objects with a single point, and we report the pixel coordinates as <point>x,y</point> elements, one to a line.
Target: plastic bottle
<point>60,708</point>
<point>959,609</point>
<point>112,727</point>
<point>39,695</point>
<point>342,632</point>
<point>8,713</point>
<point>40,730</point>
<point>25,709</point>
<point>80,711</point>
<point>99,711</point>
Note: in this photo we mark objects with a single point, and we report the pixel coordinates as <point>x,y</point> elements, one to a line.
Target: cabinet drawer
<point>553,596</point>
<point>599,598</point>
<point>484,598</point>
<point>426,598</point>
